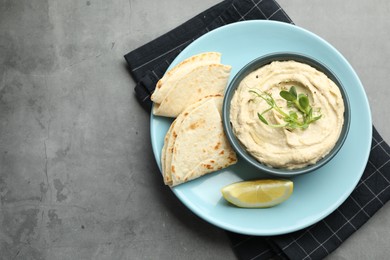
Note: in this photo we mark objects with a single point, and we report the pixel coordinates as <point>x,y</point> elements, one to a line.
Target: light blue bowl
<point>240,149</point>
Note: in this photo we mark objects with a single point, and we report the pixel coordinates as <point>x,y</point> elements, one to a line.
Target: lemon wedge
<point>258,193</point>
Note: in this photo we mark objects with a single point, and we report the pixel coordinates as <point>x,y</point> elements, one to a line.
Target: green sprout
<point>300,118</point>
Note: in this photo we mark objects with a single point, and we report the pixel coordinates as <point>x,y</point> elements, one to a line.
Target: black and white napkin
<point>149,62</point>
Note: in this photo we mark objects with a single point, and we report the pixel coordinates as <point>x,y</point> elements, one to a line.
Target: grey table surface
<point>78,178</point>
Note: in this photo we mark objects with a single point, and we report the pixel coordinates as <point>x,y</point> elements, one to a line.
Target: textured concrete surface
<point>77,174</point>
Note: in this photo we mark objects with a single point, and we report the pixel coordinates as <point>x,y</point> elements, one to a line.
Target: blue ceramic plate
<point>316,194</point>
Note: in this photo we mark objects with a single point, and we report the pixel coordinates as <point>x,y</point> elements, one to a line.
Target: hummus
<point>281,147</point>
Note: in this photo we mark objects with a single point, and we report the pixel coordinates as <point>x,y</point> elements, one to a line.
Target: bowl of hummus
<point>286,114</point>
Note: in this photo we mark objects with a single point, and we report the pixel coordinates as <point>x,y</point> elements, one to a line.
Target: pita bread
<point>169,141</point>
<point>180,70</point>
<point>196,143</point>
<point>166,155</point>
<point>186,86</point>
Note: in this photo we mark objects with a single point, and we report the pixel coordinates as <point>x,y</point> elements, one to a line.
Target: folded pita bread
<point>195,144</point>
<point>185,86</point>
<point>170,138</point>
<point>180,70</point>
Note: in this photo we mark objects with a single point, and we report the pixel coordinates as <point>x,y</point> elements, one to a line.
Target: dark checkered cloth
<point>148,64</point>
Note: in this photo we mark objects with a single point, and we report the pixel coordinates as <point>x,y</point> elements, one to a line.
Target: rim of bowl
<point>262,61</point>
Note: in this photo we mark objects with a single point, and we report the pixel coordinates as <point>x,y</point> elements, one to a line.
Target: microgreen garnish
<point>299,118</point>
